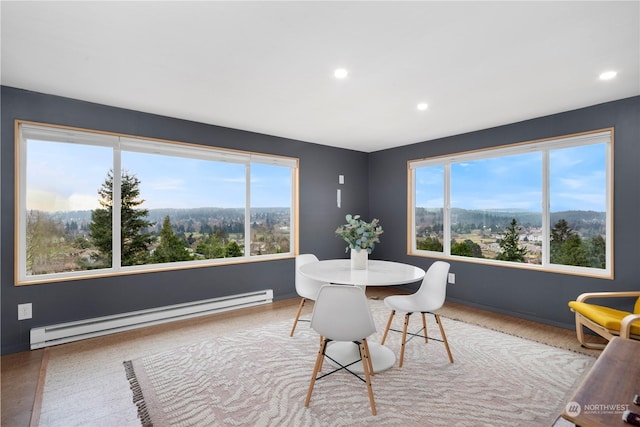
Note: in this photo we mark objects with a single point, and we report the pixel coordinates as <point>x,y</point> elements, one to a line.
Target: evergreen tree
<point>572,252</point>
<point>460,248</point>
<point>101,237</point>
<point>596,250</point>
<point>211,247</point>
<point>134,245</point>
<point>567,248</point>
<point>171,247</point>
<point>190,239</point>
<point>509,244</point>
<point>466,248</point>
<point>476,250</point>
<point>430,244</point>
<point>234,249</point>
<point>561,231</point>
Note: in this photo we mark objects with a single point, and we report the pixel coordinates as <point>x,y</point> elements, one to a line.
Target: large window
<point>170,205</point>
<point>544,204</point>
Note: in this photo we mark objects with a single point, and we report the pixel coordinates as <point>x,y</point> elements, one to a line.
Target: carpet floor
<point>85,385</point>
<point>260,376</point>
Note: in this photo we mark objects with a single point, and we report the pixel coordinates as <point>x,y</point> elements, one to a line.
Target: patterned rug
<point>259,377</point>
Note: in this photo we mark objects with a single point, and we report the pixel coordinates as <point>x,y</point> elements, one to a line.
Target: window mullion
<point>446,226</point>
<point>22,214</point>
<point>609,205</point>
<point>247,211</point>
<point>412,217</point>
<point>116,235</point>
<point>546,214</point>
<point>293,213</point>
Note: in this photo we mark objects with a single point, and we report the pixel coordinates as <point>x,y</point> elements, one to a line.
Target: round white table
<point>378,273</point>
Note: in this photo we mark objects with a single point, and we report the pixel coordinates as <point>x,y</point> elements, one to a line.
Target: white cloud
<point>167,184</point>
<point>83,202</point>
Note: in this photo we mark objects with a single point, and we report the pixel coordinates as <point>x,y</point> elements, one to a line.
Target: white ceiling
<point>268,66</point>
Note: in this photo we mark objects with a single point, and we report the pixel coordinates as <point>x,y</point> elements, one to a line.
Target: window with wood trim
<point>542,204</point>
<point>170,205</point>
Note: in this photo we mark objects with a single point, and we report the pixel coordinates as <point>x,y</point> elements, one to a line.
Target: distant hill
<point>585,222</point>
<point>176,215</point>
<point>525,217</point>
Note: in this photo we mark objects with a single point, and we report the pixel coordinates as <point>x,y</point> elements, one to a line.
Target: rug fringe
<point>138,398</point>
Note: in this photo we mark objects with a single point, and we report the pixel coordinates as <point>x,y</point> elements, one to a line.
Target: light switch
<point>340,179</point>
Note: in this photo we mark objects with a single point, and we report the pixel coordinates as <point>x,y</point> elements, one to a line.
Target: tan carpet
<point>259,377</point>
<point>539,332</point>
<point>84,383</point>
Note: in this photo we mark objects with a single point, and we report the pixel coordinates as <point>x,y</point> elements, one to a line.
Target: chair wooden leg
<point>580,335</point>
<point>424,325</point>
<point>366,344</point>
<point>316,368</point>
<point>579,330</point>
<point>324,351</point>
<point>295,322</point>
<point>444,337</point>
<point>386,331</point>
<point>594,346</point>
<point>366,367</point>
<point>404,337</point>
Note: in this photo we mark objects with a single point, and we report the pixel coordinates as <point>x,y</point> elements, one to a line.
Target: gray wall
<point>73,300</point>
<point>375,185</point>
<point>533,295</point>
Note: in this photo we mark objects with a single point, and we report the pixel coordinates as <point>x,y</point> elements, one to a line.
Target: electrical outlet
<point>25,311</point>
<point>452,278</point>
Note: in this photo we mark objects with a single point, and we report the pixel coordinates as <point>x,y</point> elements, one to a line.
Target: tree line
<point>567,247</point>
<point>56,247</point>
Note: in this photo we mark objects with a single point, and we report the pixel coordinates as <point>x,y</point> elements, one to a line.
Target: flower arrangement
<point>360,234</point>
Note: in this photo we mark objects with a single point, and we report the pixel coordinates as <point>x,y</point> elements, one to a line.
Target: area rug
<point>260,376</point>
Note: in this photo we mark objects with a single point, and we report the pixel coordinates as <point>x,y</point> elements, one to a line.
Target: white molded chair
<point>305,287</point>
<point>341,313</point>
<point>427,299</point>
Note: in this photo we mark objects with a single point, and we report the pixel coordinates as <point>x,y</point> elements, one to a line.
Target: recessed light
<point>608,75</point>
<point>341,73</point>
<point>423,106</point>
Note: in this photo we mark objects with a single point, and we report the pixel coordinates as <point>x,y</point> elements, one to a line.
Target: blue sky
<point>515,182</point>
<point>578,178</point>
<point>65,176</point>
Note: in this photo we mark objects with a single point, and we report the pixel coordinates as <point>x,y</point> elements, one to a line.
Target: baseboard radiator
<point>74,331</point>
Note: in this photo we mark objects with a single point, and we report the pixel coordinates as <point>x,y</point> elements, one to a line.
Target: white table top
<point>378,273</point>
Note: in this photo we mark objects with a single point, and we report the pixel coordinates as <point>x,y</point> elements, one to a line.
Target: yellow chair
<point>605,321</point>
